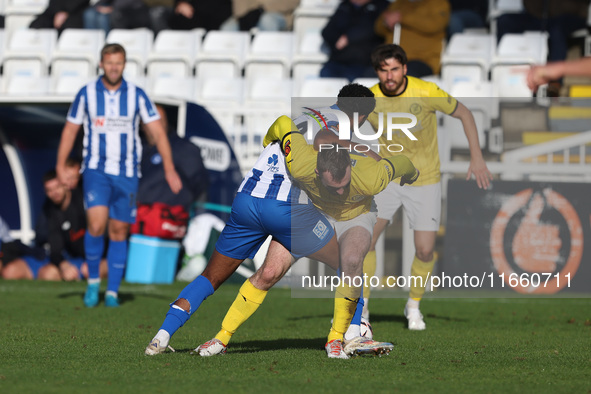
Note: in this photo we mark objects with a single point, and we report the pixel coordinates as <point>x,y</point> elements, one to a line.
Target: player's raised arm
<point>477,164</point>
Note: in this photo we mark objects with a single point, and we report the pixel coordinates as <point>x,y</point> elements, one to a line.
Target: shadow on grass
<point>271,345</point>
<point>277,344</point>
<point>400,318</point>
<point>123,297</point>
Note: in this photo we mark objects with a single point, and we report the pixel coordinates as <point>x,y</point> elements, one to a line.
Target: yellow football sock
<point>345,302</point>
<point>246,303</point>
<point>369,269</point>
<point>423,270</point>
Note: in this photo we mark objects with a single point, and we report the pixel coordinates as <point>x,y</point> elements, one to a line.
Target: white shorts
<point>422,204</point>
<point>367,221</point>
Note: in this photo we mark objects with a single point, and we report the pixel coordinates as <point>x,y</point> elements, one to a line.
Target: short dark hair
<point>356,98</point>
<point>49,175</point>
<point>387,51</point>
<point>335,160</point>
<point>109,49</point>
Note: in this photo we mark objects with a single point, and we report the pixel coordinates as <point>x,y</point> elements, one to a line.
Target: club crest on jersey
<point>272,162</point>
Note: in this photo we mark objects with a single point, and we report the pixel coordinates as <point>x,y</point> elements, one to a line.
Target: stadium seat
<point>26,85</point>
<point>215,68</point>
<point>81,48</point>
<point>303,71</point>
<point>22,68</point>
<point>269,54</point>
<point>509,81</point>
<point>137,44</point>
<point>367,82</point>
<point>18,14</point>
<point>216,92</point>
<point>309,56</point>
<point>225,46</point>
<point>173,53</point>
<point>321,87</point>
<point>467,57</point>
<point>175,87</point>
<point>68,85</point>
<point>312,15</point>
<point>268,92</point>
<point>530,47</point>
<point>31,46</point>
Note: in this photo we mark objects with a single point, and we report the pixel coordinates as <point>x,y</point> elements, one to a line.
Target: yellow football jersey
<point>368,177</point>
<point>422,99</point>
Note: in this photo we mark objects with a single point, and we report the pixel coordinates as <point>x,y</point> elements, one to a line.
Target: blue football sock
<point>93,247</point>
<point>357,316</point>
<point>116,258</point>
<point>195,293</point>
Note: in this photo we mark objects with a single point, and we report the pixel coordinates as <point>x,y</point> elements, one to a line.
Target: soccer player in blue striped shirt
<point>110,109</point>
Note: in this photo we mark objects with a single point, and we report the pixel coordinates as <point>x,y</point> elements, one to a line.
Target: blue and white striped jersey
<point>269,177</point>
<point>111,126</point>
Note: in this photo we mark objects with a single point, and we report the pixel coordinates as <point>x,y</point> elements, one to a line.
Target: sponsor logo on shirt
<point>272,162</point>
<point>320,230</point>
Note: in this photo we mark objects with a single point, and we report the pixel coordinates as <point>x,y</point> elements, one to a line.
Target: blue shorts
<point>302,229</point>
<point>116,192</point>
<point>35,264</point>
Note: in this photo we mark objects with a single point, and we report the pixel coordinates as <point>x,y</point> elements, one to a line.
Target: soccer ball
<point>365,328</point>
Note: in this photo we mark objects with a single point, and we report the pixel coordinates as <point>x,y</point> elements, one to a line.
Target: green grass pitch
<point>50,343</point>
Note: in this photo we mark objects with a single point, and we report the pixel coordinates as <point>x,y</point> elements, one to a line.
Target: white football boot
<point>210,348</point>
<point>415,319</point>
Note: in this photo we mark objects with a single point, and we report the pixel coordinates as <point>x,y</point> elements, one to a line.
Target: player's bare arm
<point>67,140</point>
<point>478,166</point>
<point>158,134</point>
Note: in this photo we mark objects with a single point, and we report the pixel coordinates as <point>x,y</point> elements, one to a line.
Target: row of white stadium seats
<point>508,82</point>
<point>469,57</point>
<point>173,52</point>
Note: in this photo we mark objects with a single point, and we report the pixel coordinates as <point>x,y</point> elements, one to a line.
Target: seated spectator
<point>161,12</point>
<point>560,18</point>
<point>423,26</point>
<point>98,15</point>
<point>350,36</point>
<point>62,226</point>
<point>467,14</point>
<point>191,14</point>
<point>265,15</point>
<point>20,261</point>
<point>188,163</point>
<point>60,15</point>
<point>130,14</point>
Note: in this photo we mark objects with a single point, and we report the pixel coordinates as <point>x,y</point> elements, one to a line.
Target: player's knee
<point>50,273</point>
<point>70,275</point>
<point>184,304</point>
<point>269,276</point>
<point>424,254</point>
<point>96,230</point>
<point>10,272</point>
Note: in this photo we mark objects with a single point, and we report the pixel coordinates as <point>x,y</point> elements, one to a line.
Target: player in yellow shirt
<point>398,93</point>
<point>343,188</point>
